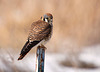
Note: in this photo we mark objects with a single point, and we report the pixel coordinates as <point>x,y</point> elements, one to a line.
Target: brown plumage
<point>39,30</point>
<point>40,33</point>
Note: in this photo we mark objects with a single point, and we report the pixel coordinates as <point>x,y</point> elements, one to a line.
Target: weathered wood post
<point>40,57</point>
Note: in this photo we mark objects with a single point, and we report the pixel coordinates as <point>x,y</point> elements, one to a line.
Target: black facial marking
<point>47,18</point>
<point>43,19</point>
<point>51,17</point>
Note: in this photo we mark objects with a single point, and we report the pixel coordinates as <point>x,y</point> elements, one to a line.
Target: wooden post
<point>40,56</point>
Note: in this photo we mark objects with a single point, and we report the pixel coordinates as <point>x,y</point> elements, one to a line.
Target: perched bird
<point>40,32</point>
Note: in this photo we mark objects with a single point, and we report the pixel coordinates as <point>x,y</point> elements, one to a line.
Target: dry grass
<point>76,22</point>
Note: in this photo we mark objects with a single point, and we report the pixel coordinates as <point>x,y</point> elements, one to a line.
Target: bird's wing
<point>39,30</point>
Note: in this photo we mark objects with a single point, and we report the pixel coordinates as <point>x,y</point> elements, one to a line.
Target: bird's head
<point>47,18</point>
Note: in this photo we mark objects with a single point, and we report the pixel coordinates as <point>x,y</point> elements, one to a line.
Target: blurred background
<point>76,34</point>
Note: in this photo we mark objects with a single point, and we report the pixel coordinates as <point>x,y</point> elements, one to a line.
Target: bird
<point>39,34</point>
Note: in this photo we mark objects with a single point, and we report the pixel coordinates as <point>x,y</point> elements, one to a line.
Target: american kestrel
<point>40,32</point>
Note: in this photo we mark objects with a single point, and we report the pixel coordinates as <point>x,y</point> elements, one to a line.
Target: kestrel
<point>40,32</point>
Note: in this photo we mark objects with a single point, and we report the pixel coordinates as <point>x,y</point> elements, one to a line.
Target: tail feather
<point>27,47</point>
<point>21,57</point>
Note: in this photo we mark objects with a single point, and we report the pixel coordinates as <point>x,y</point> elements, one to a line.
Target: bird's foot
<point>42,46</point>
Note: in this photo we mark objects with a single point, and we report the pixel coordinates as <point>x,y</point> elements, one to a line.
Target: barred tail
<point>27,47</point>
